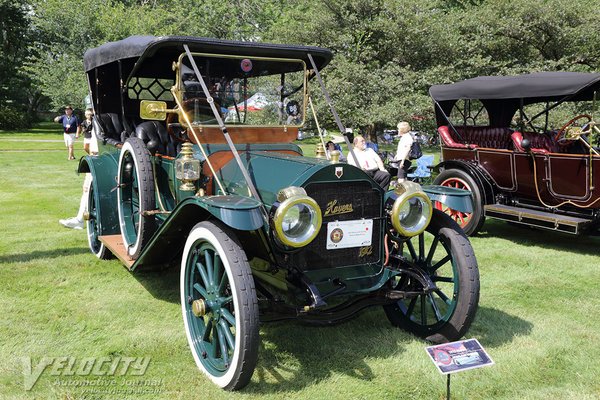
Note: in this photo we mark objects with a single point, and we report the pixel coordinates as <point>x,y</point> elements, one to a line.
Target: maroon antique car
<point>525,146</point>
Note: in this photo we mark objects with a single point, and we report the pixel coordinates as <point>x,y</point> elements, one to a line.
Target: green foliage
<point>12,119</point>
<point>387,52</point>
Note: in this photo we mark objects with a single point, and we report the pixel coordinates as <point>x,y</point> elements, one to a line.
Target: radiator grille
<point>366,203</point>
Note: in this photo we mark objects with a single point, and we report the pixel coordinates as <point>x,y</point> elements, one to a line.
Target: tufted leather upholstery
<point>155,136</point>
<point>540,143</point>
<point>477,136</point>
<point>108,128</point>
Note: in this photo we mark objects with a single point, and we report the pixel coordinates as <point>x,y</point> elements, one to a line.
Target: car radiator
<point>334,199</point>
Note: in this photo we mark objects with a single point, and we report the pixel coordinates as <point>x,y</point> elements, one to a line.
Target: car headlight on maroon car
<point>297,219</point>
<point>412,209</point>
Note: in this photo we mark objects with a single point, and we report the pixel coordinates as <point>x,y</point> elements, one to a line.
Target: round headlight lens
<point>411,214</point>
<point>297,221</point>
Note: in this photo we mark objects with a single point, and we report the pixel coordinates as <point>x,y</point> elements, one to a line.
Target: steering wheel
<point>178,130</point>
<point>560,135</point>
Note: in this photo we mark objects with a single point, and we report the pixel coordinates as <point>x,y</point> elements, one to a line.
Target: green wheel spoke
<point>227,334</point>
<point>411,249</point>
<point>440,263</point>
<point>436,310</point>
<point>442,279</point>
<point>411,306</point>
<point>423,310</point>
<point>443,297</point>
<point>222,283</point>
<point>226,300</point>
<point>228,316</point>
<point>208,264</point>
<point>202,273</point>
<point>217,268</point>
<point>201,290</point>
<point>222,344</point>
<point>206,335</point>
<point>432,250</point>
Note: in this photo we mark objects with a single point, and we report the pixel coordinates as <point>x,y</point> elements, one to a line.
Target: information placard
<point>345,234</point>
<point>459,356</point>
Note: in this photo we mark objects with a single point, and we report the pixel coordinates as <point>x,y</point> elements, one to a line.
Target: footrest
<point>115,244</point>
<point>540,219</point>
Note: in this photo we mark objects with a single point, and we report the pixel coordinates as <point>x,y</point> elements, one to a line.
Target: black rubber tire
<point>96,246</point>
<point>465,286</point>
<point>135,196</point>
<point>211,239</point>
<point>477,217</point>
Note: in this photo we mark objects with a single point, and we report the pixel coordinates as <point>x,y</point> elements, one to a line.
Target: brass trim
<point>282,210</point>
<point>199,308</point>
<point>407,191</point>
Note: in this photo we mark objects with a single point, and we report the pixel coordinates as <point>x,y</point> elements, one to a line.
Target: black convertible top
<point>541,86</point>
<point>503,95</point>
<point>144,47</point>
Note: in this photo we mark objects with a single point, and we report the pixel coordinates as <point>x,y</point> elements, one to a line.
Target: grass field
<point>538,315</point>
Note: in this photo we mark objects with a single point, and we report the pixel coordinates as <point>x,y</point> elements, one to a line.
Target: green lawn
<point>537,318</point>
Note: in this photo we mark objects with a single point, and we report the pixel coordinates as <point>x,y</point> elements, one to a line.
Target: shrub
<point>12,118</point>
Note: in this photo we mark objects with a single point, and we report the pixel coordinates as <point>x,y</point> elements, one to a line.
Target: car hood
<point>271,172</point>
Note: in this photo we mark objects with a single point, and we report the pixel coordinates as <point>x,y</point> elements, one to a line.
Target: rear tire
<point>92,227</point>
<point>135,196</point>
<point>470,223</point>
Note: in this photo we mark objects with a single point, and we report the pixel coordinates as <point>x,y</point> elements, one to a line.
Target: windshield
<point>251,91</point>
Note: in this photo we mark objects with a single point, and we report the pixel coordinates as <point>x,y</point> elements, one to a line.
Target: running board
<point>539,219</point>
<point>115,244</point>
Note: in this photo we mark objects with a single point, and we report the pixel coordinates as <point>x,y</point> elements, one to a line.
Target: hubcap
<point>199,308</point>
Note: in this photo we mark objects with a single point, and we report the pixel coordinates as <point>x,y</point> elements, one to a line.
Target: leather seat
<point>155,136</point>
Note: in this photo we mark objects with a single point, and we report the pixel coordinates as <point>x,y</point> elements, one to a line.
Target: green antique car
<point>198,165</point>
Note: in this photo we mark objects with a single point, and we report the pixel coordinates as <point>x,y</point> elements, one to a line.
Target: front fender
<point>238,212</point>
<point>456,199</point>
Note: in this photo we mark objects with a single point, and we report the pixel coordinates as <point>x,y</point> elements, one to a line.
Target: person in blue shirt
<point>71,129</point>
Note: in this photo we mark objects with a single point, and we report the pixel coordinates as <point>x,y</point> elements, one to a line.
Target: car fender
<point>481,177</point>
<point>238,212</point>
<point>104,171</point>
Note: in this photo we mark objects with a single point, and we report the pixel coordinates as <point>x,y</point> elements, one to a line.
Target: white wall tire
<point>215,272</point>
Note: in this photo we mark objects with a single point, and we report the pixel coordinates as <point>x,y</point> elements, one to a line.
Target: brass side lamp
<point>187,168</point>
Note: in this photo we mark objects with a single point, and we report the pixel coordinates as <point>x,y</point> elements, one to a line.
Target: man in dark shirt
<point>71,128</point>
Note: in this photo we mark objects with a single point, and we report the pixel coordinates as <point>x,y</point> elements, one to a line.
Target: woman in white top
<point>406,140</point>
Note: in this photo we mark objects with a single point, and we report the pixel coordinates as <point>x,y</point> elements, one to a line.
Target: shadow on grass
<point>38,255</point>
<point>294,356</point>
<point>162,284</point>
<point>524,235</point>
<point>494,328</point>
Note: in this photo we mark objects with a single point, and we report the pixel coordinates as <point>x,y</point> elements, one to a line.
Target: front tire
<point>470,223</point>
<point>219,305</point>
<point>446,256</point>
<point>135,196</point>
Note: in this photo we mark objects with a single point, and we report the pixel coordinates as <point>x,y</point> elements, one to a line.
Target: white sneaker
<point>72,223</point>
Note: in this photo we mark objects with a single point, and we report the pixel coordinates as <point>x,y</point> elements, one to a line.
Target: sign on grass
<point>459,356</point>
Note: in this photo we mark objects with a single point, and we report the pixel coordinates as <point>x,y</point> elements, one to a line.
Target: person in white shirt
<point>406,141</point>
<point>370,162</point>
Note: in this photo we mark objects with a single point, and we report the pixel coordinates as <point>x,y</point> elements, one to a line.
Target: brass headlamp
<point>187,168</point>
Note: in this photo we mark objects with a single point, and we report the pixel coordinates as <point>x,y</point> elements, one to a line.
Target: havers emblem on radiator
<point>339,171</point>
<point>333,208</point>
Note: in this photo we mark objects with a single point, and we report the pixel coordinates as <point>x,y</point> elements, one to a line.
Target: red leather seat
<point>449,141</point>
<point>476,137</point>
<point>540,143</point>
